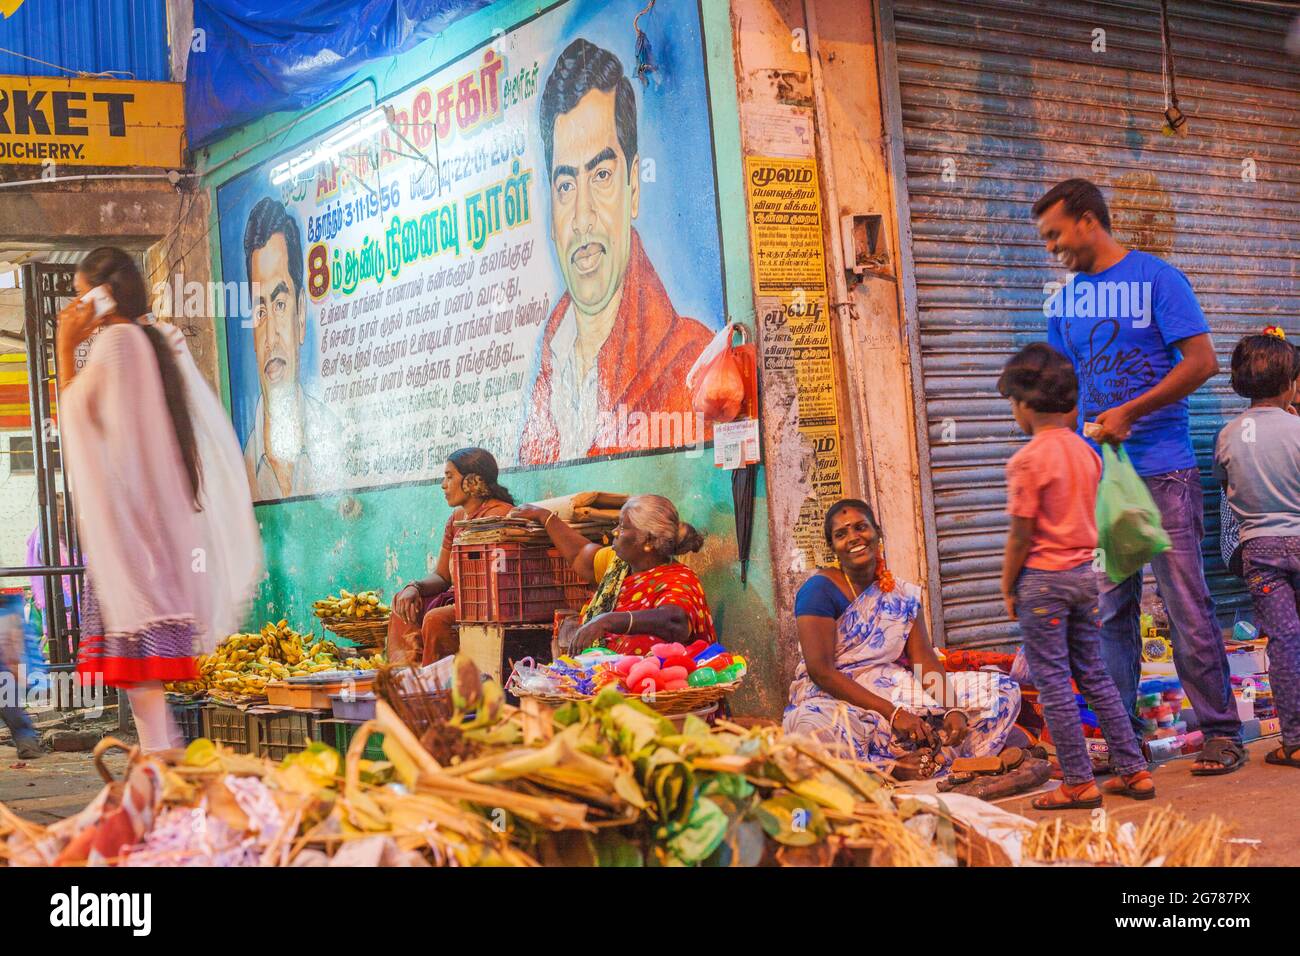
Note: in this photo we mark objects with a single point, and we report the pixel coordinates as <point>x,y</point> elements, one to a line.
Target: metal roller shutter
<point>1009,98</point>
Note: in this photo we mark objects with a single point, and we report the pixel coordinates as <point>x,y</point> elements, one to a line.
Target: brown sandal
<point>1126,786</point>
<point>1074,798</point>
<point>1284,756</point>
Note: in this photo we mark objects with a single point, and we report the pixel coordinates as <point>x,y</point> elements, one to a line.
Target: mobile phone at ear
<point>101,300</point>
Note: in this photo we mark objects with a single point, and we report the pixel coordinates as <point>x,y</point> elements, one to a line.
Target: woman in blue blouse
<point>870,684</point>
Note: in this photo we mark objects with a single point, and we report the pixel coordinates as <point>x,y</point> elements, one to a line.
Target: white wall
<point>17,508</point>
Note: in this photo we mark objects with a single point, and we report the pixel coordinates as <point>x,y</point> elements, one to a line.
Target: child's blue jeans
<point>1059,625</point>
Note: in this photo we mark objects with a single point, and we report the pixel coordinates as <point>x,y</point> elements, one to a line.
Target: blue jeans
<point>1272,571</point>
<point>19,724</point>
<point>1058,623</point>
<point>1194,631</point>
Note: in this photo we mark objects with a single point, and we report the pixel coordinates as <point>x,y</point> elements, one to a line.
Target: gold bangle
<point>631,616</point>
<point>548,520</point>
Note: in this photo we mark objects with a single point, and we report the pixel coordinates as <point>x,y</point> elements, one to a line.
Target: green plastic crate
<point>339,733</point>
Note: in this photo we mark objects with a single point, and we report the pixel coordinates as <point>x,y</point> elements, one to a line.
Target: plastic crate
<point>228,726</point>
<point>513,583</point>
<point>278,734</point>
<point>339,733</point>
<point>353,706</point>
<point>189,717</point>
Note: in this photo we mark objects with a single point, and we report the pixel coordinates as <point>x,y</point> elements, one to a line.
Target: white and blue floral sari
<point>870,644</point>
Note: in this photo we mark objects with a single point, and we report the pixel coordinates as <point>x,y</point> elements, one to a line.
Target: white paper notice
<point>774,129</point>
<point>735,444</point>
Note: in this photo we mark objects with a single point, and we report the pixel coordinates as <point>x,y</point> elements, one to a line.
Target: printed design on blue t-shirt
<point>1110,374</point>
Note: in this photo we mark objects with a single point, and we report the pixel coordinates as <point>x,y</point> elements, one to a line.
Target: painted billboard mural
<point>530,263</point>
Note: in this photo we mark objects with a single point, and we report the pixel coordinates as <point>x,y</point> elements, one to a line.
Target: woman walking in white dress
<point>163,509</point>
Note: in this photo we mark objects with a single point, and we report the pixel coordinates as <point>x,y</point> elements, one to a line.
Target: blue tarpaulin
<point>263,56</point>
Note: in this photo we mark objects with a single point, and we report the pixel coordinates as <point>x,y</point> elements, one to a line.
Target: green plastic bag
<point>1129,533</point>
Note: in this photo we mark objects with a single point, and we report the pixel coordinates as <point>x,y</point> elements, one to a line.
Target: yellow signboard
<point>76,122</point>
<point>785,230</point>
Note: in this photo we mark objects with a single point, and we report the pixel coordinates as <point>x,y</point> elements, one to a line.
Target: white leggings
<point>154,723</point>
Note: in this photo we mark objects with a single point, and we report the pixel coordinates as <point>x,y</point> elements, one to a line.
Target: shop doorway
<point>40,561</point>
<point>991,105</point>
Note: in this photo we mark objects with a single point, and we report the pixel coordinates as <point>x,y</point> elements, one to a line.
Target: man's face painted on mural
<point>279,316</point>
<point>593,202</point>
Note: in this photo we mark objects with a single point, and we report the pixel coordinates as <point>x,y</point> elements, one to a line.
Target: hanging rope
<point>1175,121</point>
<point>106,74</point>
<point>643,65</point>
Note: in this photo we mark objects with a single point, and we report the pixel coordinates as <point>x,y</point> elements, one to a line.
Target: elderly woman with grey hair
<point>644,596</point>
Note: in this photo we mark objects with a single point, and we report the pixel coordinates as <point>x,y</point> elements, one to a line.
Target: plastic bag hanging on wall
<point>723,380</point>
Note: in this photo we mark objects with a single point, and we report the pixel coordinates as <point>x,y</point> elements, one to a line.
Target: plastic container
<point>278,734</point>
<point>1163,748</point>
<point>228,726</point>
<point>510,582</point>
<point>353,706</point>
<point>1245,709</point>
<point>315,692</point>
<point>1246,663</point>
<point>706,714</point>
<point>189,717</point>
<point>1244,631</point>
<point>339,733</point>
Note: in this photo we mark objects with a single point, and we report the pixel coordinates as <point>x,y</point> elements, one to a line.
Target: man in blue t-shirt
<point>1139,342</point>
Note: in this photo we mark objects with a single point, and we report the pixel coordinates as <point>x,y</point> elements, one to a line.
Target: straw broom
<point>1164,838</point>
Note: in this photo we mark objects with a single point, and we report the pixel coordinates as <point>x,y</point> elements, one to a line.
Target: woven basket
<point>667,702</point>
<point>368,632</point>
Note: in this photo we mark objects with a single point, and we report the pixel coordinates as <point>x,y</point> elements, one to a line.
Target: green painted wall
<point>312,549</point>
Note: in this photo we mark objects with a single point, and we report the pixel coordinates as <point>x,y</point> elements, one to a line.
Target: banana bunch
<point>351,607</point>
<point>244,663</point>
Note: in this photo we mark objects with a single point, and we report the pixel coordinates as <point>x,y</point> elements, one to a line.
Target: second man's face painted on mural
<point>593,202</point>
<point>279,320</point>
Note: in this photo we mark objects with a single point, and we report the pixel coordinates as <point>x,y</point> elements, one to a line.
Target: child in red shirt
<point>1049,583</point>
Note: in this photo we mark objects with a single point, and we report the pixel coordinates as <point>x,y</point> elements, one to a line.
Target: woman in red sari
<point>644,596</point>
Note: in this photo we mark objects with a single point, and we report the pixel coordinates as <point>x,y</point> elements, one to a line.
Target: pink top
<point>1054,480</point>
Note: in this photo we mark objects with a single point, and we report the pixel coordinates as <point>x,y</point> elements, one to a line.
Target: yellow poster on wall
<point>75,122</point>
<point>785,230</point>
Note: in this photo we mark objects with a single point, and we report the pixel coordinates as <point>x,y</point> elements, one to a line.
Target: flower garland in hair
<point>884,577</point>
<point>475,486</point>
<point>1276,331</point>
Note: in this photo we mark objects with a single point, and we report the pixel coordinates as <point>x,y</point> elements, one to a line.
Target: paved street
<point>1259,799</point>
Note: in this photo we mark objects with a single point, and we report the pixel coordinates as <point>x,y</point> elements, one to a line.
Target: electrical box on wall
<point>864,247</point>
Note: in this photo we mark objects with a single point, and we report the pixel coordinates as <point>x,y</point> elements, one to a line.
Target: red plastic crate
<point>513,583</point>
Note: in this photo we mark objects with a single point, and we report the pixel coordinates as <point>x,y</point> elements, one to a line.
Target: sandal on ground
<point>1224,751</point>
<point>1284,756</point>
<point>1066,797</point>
<point>1011,758</point>
<point>1128,786</point>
